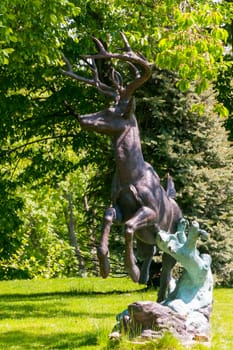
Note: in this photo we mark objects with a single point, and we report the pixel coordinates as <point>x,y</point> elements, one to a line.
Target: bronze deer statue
<point>138,200</point>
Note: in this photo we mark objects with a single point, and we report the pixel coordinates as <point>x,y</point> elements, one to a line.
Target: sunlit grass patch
<point>61,313</point>
<point>78,313</point>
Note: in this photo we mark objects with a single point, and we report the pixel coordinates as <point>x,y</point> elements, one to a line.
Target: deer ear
<point>130,109</point>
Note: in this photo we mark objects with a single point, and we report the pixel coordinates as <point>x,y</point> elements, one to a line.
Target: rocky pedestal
<point>150,320</point>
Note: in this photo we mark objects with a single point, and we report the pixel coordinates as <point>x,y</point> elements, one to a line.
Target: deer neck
<point>128,154</point>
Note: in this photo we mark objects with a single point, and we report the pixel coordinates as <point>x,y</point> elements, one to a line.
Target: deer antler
<point>131,58</point>
<point>94,82</point>
<point>118,91</point>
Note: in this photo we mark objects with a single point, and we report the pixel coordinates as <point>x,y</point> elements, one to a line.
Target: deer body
<point>138,200</point>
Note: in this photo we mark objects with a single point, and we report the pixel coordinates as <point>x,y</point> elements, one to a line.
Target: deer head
<point>112,119</point>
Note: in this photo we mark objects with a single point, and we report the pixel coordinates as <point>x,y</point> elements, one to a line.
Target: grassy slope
<point>80,313</point>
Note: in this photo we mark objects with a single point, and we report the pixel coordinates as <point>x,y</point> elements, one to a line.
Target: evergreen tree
<point>193,147</point>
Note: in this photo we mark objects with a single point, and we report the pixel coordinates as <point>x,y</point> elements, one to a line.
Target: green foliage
<point>189,48</point>
<point>41,250</point>
<point>32,31</point>
<point>38,134</point>
<point>224,85</point>
<point>44,247</point>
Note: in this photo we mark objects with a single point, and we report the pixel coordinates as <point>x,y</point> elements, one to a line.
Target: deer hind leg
<point>145,253</point>
<point>142,218</point>
<point>110,215</point>
<point>165,278</point>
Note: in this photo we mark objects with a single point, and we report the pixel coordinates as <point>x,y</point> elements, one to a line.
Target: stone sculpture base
<point>151,320</point>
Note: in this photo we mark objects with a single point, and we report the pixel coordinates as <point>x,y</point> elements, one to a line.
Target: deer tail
<point>171,191</point>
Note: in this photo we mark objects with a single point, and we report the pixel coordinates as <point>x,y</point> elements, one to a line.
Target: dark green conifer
<point>194,148</point>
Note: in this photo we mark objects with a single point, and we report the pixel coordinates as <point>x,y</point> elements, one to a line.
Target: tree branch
<point>35,141</point>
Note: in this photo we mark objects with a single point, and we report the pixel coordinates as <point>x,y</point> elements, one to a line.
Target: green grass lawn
<point>79,313</point>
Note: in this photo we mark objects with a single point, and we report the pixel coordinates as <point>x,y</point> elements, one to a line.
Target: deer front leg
<point>102,251</point>
<point>142,218</point>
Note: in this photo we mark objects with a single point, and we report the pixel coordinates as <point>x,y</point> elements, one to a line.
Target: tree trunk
<point>92,237</point>
<point>71,230</point>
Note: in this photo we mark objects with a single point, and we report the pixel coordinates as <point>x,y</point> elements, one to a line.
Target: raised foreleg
<point>102,251</point>
<point>143,218</point>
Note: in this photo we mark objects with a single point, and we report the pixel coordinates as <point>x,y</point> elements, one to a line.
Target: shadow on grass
<point>51,304</point>
<point>47,305</point>
<point>53,309</point>
<point>24,340</point>
<point>71,293</point>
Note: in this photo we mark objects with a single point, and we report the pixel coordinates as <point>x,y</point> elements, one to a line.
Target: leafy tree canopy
<point>185,36</point>
<point>38,133</point>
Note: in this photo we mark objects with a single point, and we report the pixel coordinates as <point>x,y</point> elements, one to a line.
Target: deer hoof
<point>134,273</point>
<point>143,279</point>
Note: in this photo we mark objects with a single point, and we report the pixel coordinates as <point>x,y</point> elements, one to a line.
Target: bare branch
<point>9,151</point>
